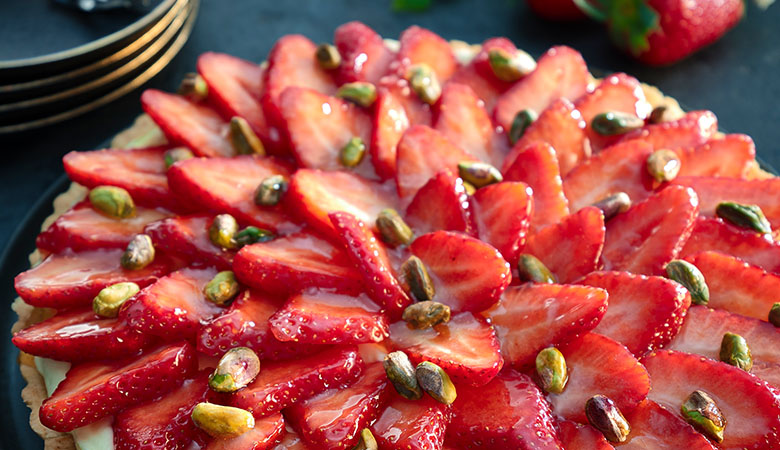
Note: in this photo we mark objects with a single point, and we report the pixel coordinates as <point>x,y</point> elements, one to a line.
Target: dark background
<point>737,78</point>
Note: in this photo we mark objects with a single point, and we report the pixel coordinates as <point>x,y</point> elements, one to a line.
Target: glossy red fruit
<point>527,320</point>
<point>558,10</point>
<point>364,55</point>
<point>412,425</point>
<point>479,76</point>
<point>388,125</point>
<point>732,156</point>
<point>653,426</point>
<point>417,111</point>
<point>422,46</point>
<point>503,214</point>
<point>582,437</point>
<point>694,128</point>
<point>290,441</point>
<point>266,433</point>
<point>441,204</point>
<point>187,237</point>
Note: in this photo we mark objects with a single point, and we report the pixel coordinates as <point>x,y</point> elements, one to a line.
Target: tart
<point>407,245</point>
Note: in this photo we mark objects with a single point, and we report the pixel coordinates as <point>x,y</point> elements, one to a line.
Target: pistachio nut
<point>222,288</point>
<point>615,122</point>
<point>657,115</point>
<point>110,299</point>
<point>614,204</point>
<point>222,231</point>
<point>774,315</point>
<point>366,441</point>
<point>360,93</point>
<point>252,235</point>
<point>604,415</point>
<point>734,350</point>
<point>352,152</point>
<point>139,252</point>
<point>424,83</point>
<point>416,280</point>
<point>222,421</point>
<point>478,173</point>
<point>691,277</point>
<point>523,119</point>
<point>271,190</point>
<point>663,165</point>
<point>470,189</point>
<point>244,139</point>
<point>112,201</point>
<point>551,369</point>
<point>237,368</point>
<point>392,228</point>
<point>194,87</point>
<point>177,154</point>
<point>744,216</point>
<point>435,381</point>
<point>400,372</point>
<point>530,268</point>
<point>426,314</point>
<point>328,56</point>
<point>510,66</point>
<point>700,410</point>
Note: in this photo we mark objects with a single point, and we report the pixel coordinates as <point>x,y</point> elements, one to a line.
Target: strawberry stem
<point>590,10</point>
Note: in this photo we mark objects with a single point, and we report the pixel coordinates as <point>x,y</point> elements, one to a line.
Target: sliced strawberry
<point>481,60</point>
<point>561,126</point>
<point>266,433</point>
<point>731,157</point>
<point>441,204</point>
<point>281,384</point>
<point>751,408</point>
<point>68,280</point>
<point>412,425</point>
<point>653,426</point>
<point>83,228</point>
<point>695,128</point>
<point>174,307</point>
<point>479,76</point>
<point>291,441</point>
<point>713,190</point>
<point>537,166</point>
<point>619,168</point>
<point>139,171</point>
<point>466,347</point>
<point>650,234</point>
<point>189,124</point>
<point>417,111</point>
<point>187,237</point>
<point>503,214</point>
<point>582,437</point>
<point>570,248</point>
<point>657,303</point>
<point>80,336</point>
<point>468,274</point>
<point>508,412</point>
<point>599,365</point>
<point>293,263</point>
<point>91,391</point>
<point>322,317</point>
<point>349,410</point>
<point>703,331</point>
<point>422,46</point>
<point>534,316</point>
<point>389,124</point>
<point>736,286</point>
<point>560,73</point>
<point>364,56</point>
<point>227,185</point>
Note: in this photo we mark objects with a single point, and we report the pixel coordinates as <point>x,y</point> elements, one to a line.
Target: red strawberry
<point>503,214</point>
<point>737,286</point>
<point>713,190</point>
<point>653,426</point>
<point>322,317</point>
<point>140,171</point>
<point>187,237</point>
<point>290,264</point>
<point>508,412</point>
<point>333,419</point>
<point>441,204</point>
<point>389,124</point>
<point>189,124</point>
<point>730,157</point>
<point>412,425</point>
<point>534,316</point>
<point>582,437</point>
<point>465,347</point>
<point>468,274</point>
<point>479,76</point>
<point>537,166</point>
<point>422,46</point>
<point>657,303</point>
<point>751,408</point>
<point>695,128</point>
<point>703,331</point>
<point>599,365</point>
<point>560,73</point>
<point>80,336</point>
<point>91,391</point>
<point>281,384</point>
<point>174,307</point>
<point>290,441</point>
<point>418,112</point>
<point>70,280</point>
<point>561,126</point>
<point>83,228</point>
<point>266,433</point>
<point>570,248</point>
<point>650,234</point>
<point>227,185</point>
<point>364,56</point>
<point>558,10</point>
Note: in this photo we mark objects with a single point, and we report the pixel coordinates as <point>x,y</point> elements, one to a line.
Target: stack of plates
<point>44,89</point>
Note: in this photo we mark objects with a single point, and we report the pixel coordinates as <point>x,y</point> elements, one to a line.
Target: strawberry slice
<point>560,73</point>
<point>389,123</point>
<point>227,185</point>
<point>69,280</point>
<point>322,317</point>
<point>466,347</point>
<point>412,425</point>
<point>736,286</point>
<point>468,274</point>
<point>349,410</point>
<point>281,384</point>
<point>653,426</point>
<point>561,126</point>
<point>139,171</point>
<point>751,407</point>
<point>422,46</point>
<point>508,412</point>
<point>80,336</point>
<point>527,320</point>
<point>570,248</point>
<point>290,441</point>
<point>650,234</point>
<point>293,263</point>
<point>187,237</point>
<point>441,204</point>
<point>599,365</point>
<point>657,303</point>
<point>174,307</point>
<point>91,391</point>
<point>83,228</point>
<point>418,112</point>
<point>713,190</point>
<point>582,437</point>
<point>266,433</point>
<point>370,257</point>
<point>479,76</point>
<point>364,56</point>
<point>503,214</point>
<point>732,157</point>
<point>695,128</point>
<point>189,124</point>
<point>703,331</point>
<point>537,166</point>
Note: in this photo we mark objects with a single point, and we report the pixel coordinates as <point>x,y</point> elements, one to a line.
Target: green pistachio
<point>400,372</point>
<point>177,154</point>
<point>523,119</point>
<point>222,288</point>
<point>478,173</point>
<point>663,165</point>
<point>415,279</point>
<point>614,122</point>
<point>529,268</point>
<point>657,115</point>
<point>551,369</point>
<point>392,228</point>
<point>435,381</point>
<point>774,315</point>
<point>689,276</point>
<point>614,204</point>
<point>605,416</point>
<point>508,66</point>
<point>244,139</point>
<point>110,299</point>
<point>194,87</point>
<point>470,189</point>
<point>222,231</point>
<point>112,201</point>
<point>426,314</point>
<point>139,252</point>
<point>352,152</point>
<point>359,92</point>
<point>744,216</point>
<point>271,190</point>
<point>252,235</point>
<point>424,83</point>
<point>222,421</point>
<point>328,56</point>
<point>700,410</point>
<point>367,441</point>
<point>734,350</point>
<point>237,368</point>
